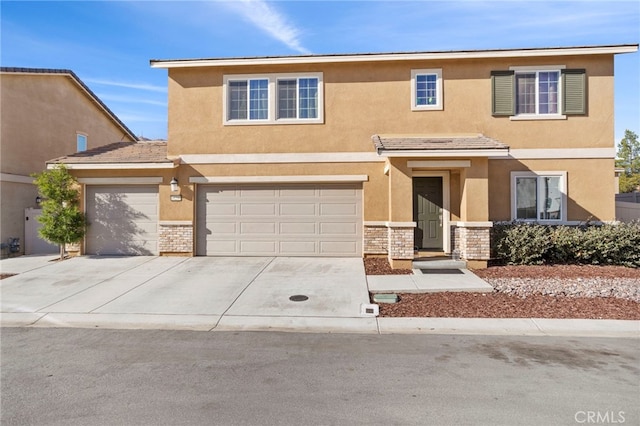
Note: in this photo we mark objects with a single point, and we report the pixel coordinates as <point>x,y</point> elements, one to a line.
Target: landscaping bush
<point>534,244</point>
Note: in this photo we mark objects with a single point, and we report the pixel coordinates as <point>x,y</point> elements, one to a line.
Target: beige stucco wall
<point>362,99</point>
<point>589,186</point>
<point>366,98</point>
<point>40,115</point>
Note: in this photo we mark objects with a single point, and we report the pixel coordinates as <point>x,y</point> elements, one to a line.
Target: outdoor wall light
<point>174,185</point>
<point>38,200</point>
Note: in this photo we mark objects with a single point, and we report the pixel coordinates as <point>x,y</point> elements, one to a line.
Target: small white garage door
<point>282,220</point>
<point>123,220</point>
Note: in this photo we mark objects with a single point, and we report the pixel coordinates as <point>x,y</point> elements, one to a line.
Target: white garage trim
<point>271,158</point>
<point>114,166</point>
<point>121,181</point>
<point>280,179</point>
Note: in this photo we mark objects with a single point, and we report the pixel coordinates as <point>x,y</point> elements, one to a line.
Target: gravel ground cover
<point>545,291</point>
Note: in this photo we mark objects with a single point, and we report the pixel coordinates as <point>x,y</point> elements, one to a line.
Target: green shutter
<point>574,88</point>
<point>502,88</point>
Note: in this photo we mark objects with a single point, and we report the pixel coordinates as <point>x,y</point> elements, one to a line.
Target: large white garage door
<point>123,220</point>
<point>282,220</point>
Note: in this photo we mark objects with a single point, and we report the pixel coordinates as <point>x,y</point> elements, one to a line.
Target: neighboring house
<point>356,155</point>
<point>44,113</point>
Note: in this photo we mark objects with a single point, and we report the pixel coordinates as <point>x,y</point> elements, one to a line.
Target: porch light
<point>174,185</point>
<point>38,200</point>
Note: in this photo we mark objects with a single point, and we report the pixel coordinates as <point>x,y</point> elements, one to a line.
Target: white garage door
<point>282,220</point>
<point>123,220</point>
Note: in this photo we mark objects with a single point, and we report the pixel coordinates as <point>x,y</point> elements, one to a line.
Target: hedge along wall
<point>535,244</point>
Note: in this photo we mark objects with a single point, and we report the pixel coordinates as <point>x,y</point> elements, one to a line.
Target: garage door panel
<point>221,209</point>
<point>338,228</point>
<point>298,248</point>
<point>298,192</point>
<point>258,247</point>
<point>287,220</point>
<point>221,228</point>
<point>307,209</point>
<point>221,246</point>
<point>123,220</point>
<point>338,209</point>
<point>345,248</point>
<point>258,228</point>
<point>298,228</point>
<point>254,209</point>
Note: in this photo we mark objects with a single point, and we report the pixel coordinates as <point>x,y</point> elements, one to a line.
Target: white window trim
<point>563,191</point>
<point>537,69</point>
<point>273,102</point>
<point>86,140</point>
<point>439,100</point>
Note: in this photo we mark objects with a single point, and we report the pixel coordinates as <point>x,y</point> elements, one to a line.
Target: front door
<point>427,212</point>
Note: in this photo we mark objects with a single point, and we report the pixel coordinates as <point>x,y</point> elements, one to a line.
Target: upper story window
<point>426,89</point>
<point>549,92</point>
<point>272,99</point>
<point>538,197</point>
<point>81,142</point>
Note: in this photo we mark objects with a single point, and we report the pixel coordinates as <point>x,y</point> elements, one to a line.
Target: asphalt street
<point>56,376</point>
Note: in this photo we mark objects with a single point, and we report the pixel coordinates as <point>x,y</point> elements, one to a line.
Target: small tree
<point>62,221</point>
<point>628,158</point>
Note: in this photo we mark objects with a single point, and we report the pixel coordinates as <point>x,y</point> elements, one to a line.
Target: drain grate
<point>442,271</point>
<point>298,298</point>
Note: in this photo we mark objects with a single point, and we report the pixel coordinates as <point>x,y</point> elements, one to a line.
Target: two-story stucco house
<point>44,113</point>
<point>363,154</point>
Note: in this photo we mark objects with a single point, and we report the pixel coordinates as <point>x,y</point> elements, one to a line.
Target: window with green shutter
<point>538,93</point>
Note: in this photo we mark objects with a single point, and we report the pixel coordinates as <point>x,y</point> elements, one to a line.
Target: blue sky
<point>109,44</point>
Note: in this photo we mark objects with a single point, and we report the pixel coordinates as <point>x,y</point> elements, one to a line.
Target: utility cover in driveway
<point>123,220</point>
<point>281,220</point>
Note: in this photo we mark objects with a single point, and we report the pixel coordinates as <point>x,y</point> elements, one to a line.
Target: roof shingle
<point>425,143</point>
<point>119,152</point>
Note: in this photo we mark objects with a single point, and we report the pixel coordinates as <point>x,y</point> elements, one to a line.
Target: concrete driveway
<point>201,293</point>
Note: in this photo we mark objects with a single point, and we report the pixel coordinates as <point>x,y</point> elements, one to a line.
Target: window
<point>298,98</point>
<point>537,92</point>
<point>81,142</point>
<point>549,92</point>
<point>272,99</point>
<point>538,196</point>
<point>426,89</point>
<point>248,99</point>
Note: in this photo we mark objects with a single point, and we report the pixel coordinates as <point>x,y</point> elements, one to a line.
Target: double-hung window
<point>426,89</point>
<point>273,99</point>
<point>539,197</point>
<point>546,92</point>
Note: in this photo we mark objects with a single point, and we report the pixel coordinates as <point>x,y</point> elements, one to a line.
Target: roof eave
<point>115,166</point>
<point>382,57</point>
<point>448,153</point>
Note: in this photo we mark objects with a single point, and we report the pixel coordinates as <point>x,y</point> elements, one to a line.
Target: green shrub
<point>534,244</point>
<point>521,243</point>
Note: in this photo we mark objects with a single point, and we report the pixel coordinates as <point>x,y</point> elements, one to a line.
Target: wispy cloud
<point>130,100</point>
<point>137,86</point>
<point>270,20</point>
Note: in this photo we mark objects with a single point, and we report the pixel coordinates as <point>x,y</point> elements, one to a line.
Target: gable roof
<point>83,87</point>
<point>129,155</point>
<point>441,145</point>
<point>394,56</point>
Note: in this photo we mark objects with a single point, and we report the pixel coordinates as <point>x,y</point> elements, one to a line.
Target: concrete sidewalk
<point>252,293</point>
